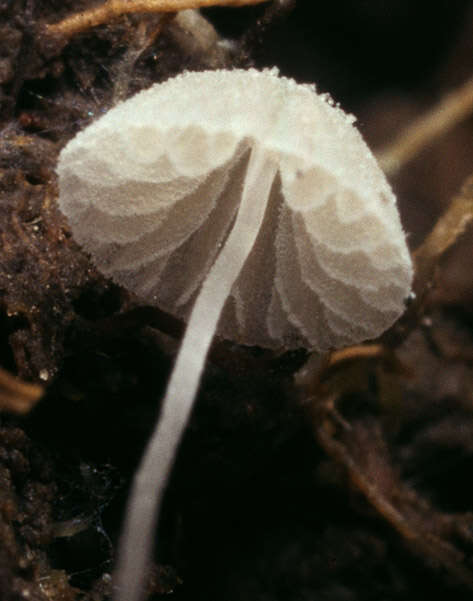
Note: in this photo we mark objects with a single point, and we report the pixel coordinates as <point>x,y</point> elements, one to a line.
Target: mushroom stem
<point>149,484</point>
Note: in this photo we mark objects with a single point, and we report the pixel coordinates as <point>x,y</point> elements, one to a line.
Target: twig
<point>452,109</point>
<point>253,36</point>
<point>17,396</point>
<point>451,225</point>
<point>359,351</point>
<point>428,257</point>
<point>112,9</point>
<point>319,368</point>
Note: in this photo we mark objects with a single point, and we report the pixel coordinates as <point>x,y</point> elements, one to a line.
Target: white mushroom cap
<point>152,188</point>
<point>247,204</point>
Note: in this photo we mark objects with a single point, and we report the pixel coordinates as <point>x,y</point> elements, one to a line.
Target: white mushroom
<point>249,206</point>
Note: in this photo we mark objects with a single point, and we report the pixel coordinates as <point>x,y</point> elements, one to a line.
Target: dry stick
<point>451,225</point>
<point>318,366</point>
<point>18,396</point>
<point>452,109</point>
<point>115,8</point>
<point>428,257</point>
<point>358,351</point>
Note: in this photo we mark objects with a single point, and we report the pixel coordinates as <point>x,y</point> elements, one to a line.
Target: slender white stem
<point>149,484</point>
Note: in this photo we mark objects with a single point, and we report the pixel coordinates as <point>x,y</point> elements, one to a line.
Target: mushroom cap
<point>151,190</point>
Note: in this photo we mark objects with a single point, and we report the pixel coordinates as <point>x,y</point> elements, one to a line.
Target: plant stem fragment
<point>428,256</point>
<point>452,109</point>
<point>17,396</point>
<point>112,9</point>
<point>451,225</point>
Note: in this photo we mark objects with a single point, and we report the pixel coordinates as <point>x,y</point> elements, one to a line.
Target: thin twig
<point>359,351</point>
<point>450,226</point>
<point>112,9</point>
<point>18,396</point>
<point>452,109</point>
<point>428,258</point>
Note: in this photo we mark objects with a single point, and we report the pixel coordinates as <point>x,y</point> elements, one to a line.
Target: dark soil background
<point>349,482</point>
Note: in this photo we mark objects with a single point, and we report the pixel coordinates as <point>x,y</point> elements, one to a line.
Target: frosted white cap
<point>151,190</point>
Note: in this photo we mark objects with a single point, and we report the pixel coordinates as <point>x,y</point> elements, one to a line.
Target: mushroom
<point>250,207</point>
